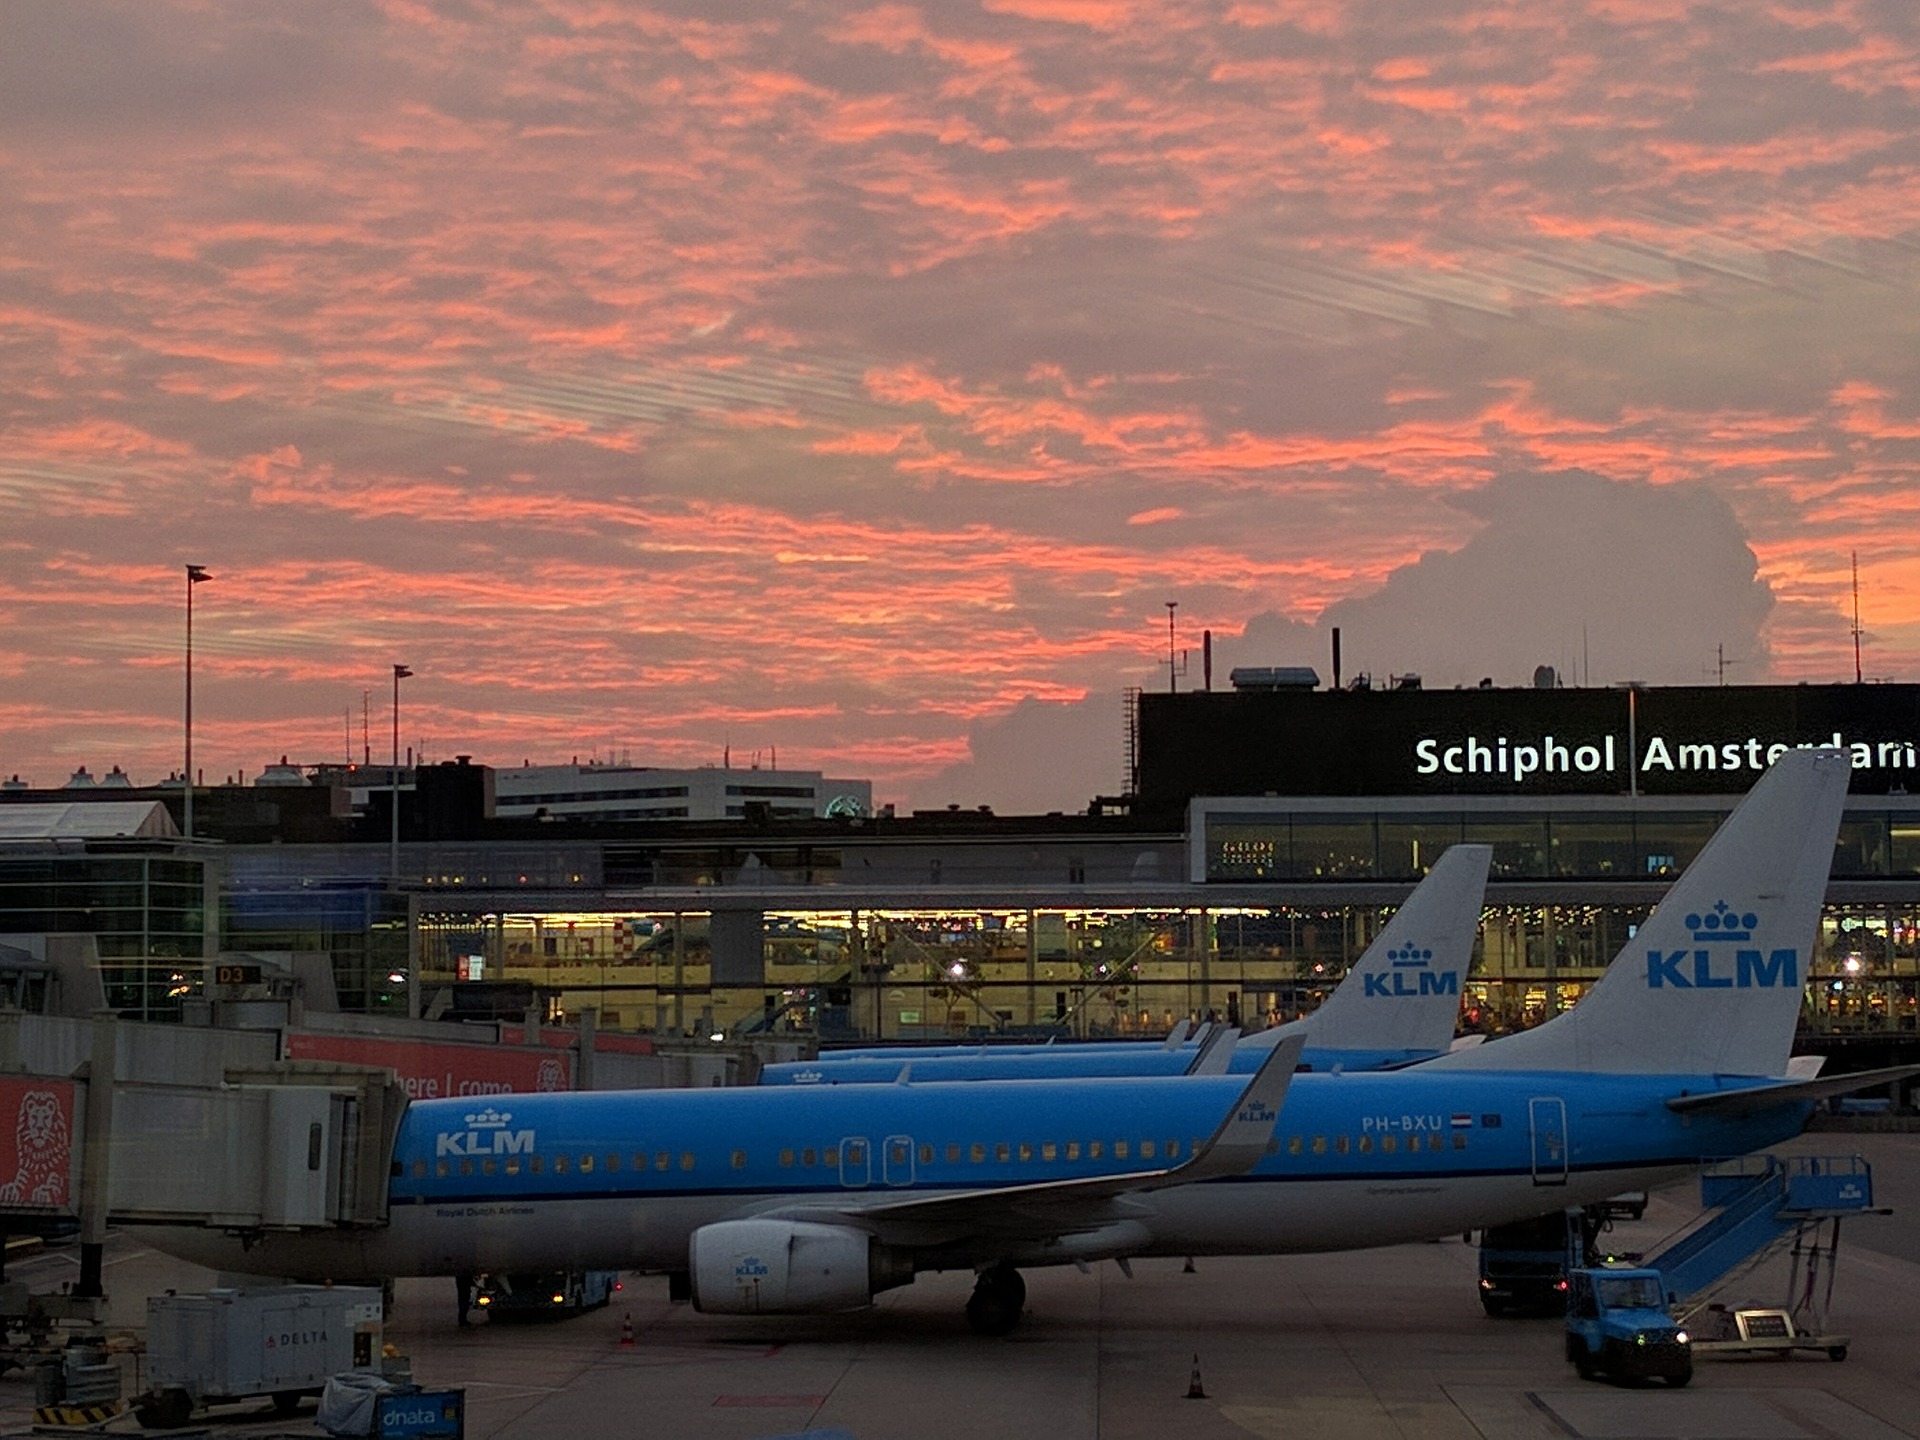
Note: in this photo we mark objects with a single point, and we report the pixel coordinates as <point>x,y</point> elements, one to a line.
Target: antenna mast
<point>1856,617</point>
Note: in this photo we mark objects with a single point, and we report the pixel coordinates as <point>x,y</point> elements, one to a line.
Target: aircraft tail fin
<point>1404,992</point>
<point>1215,1053</point>
<point>1713,981</point>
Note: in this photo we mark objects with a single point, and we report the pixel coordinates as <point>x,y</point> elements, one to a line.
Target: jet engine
<point>787,1267</point>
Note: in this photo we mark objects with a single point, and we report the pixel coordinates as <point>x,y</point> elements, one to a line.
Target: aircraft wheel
<point>998,1295</point>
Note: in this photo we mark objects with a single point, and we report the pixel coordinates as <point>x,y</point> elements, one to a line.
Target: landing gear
<point>998,1294</point>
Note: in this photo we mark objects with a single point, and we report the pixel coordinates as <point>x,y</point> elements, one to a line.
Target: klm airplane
<point>808,1199</point>
<point>1395,1006</point>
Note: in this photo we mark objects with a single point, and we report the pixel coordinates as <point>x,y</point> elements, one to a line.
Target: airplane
<point>791,1200</point>
<point>1396,1005</point>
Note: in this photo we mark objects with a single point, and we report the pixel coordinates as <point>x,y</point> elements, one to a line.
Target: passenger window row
<point>1367,1144</point>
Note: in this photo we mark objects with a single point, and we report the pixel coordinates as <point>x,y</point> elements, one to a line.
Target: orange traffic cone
<point>1195,1390</point>
<point>626,1331</point>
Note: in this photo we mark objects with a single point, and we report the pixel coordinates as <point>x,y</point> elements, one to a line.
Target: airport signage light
<point>1699,740</point>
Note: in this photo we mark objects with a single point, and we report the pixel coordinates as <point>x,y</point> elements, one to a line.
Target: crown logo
<point>488,1119</point>
<point>1409,956</point>
<point>1722,923</point>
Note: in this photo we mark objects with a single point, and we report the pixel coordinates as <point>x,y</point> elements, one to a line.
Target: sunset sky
<point>860,382</point>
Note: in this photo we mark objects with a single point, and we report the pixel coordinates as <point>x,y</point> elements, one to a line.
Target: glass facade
<point>362,927</point>
<point>145,913</point>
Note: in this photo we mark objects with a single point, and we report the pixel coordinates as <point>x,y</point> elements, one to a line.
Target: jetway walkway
<point>1762,1205</point>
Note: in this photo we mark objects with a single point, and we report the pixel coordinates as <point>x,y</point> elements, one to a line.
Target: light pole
<point>195,574</point>
<point>400,672</point>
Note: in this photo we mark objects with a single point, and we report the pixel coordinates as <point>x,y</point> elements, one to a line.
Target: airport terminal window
<point>1861,846</point>
<point>1409,844</point>
<point>1519,845</point>
<point>1601,845</point>
<point>1334,850</point>
<point>1666,842</point>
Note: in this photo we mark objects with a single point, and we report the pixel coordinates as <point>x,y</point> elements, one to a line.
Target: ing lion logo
<point>41,1143</point>
<point>550,1076</point>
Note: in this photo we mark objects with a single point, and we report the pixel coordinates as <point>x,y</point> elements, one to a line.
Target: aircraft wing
<point>1765,1097</point>
<point>1049,1208</point>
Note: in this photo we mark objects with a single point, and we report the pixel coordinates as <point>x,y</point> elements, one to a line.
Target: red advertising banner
<point>439,1070</point>
<point>36,1150</point>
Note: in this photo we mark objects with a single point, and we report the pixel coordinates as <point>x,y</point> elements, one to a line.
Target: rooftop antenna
<point>366,741</point>
<point>1856,617</point>
<point>1586,665</point>
<point>1173,675</point>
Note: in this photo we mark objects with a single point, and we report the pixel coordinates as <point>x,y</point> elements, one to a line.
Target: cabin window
<point>1339,1144</point>
<point>1433,1142</point>
<point>926,1154</point>
<point>1459,1141</point>
<point>439,1169</point>
<point>640,1160</point>
<point>613,1162</point>
<point>536,1163</point>
<point>1366,1144</point>
<point>1319,1144</point>
<point>1146,1149</point>
<point>1173,1149</point>
<point>686,1159</point>
<point>830,1157</point>
<point>586,1164</point>
<point>662,1160</point>
<point>1273,1146</point>
<point>559,1164</point>
<point>1295,1145</point>
<point>739,1159</point>
<point>1049,1151</point>
<point>1003,1152</point>
<point>1073,1149</point>
<point>977,1153</point>
<point>786,1159</point>
<point>1026,1152</point>
<point>513,1165</point>
<point>1094,1148</point>
<point>487,1167</point>
<point>953,1154</point>
<point>419,1169</point>
<point>1389,1144</point>
<point>807,1157</point>
<point>466,1167</point>
<point>1120,1151</point>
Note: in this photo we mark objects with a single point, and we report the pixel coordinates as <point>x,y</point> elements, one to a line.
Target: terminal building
<point>1269,832</point>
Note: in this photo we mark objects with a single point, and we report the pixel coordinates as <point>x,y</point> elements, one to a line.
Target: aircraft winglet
<point>1215,1053</point>
<point>1239,1141</point>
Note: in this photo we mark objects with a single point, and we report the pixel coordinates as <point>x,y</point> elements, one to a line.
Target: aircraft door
<point>896,1162</point>
<point>1547,1127</point>
<point>856,1166</point>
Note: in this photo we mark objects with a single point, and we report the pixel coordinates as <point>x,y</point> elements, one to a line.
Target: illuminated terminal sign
<point>1684,740</point>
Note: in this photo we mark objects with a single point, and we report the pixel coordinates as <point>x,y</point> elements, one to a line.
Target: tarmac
<point>1388,1342</point>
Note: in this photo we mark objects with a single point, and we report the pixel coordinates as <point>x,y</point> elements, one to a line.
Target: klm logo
<point>486,1134</point>
<point>1412,974</point>
<point>1257,1114</point>
<point>751,1267</point>
<point>1705,969</point>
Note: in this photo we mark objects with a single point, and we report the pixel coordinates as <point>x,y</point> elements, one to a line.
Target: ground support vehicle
<point>1618,1325</point>
<point>524,1294</point>
<point>282,1341</point>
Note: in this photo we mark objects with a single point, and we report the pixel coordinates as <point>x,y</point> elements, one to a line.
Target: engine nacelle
<point>788,1267</point>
